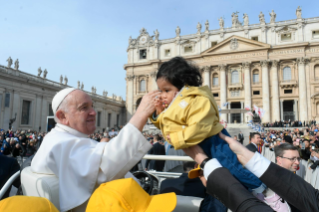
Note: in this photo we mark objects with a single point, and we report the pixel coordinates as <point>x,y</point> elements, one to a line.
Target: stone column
<point>265,87</point>
<point>247,87</point>
<point>153,81</point>
<point>130,96</point>
<point>275,91</point>
<point>296,109</point>
<point>308,88</point>
<point>302,90</point>
<point>206,76</point>
<point>281,109</point>
<point>229,114</point>
<point>242,114</point>
<point>2,102</point>
<point>223,91</point>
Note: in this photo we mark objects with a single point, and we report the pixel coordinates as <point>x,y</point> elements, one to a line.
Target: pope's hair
<point>63,107</point>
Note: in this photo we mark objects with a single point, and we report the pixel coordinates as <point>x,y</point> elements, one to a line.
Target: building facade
<point>25,100</point>
<point>274,66</point>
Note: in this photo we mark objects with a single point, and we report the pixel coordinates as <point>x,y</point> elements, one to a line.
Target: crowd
<point>289,123</point>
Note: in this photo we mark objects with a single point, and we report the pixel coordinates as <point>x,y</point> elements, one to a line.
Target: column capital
<point>222,67</point>
<point>246,64</point>
<point>264,63</point>
<point>153,74</point>
<point>274,63</point>
<point>206,68</point>
<point>301,60</point>
<point>130,77</point>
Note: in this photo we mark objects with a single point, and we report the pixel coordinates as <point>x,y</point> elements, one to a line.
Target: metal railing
<point>168,157</point>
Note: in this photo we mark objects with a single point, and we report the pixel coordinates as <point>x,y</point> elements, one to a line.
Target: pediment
<point>286,29</point>
<point>235,44</point>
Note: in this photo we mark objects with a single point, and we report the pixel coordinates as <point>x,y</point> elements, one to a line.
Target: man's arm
<point>122,153</point>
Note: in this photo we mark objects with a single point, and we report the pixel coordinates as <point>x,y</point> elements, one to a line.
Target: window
<point>99,118</point>
<point>256,92</point>
<point>7,100</point>
<point>287,73</point>
<point>234,77</point>
<point>315,34</point>
<point>109,116</point>
<point>50,110</point>
<point>215,80</point>
<point>255,76</point>
<point>188,49</point>
<point>215,94</point>
<point>287,91</point>
<point>317,72</point>
<point>213,43</point>
<point>235,93</point>
<point>286,37</point>
<point>255,38</point>
<point>25,117</point>
<point>142,86</point>
<point>167,52</point>
<point>143,54</point>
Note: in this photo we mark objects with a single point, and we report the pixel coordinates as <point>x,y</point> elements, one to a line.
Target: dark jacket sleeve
<point>228,190</point>
<point>292,188</point>
<point>251,147</point>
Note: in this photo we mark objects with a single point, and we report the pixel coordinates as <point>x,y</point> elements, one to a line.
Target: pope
<point>80,163</point>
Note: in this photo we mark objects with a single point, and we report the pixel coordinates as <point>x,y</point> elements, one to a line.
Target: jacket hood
<point>197,91</point>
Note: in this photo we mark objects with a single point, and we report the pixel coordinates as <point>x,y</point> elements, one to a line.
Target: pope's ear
<point>61,116</point>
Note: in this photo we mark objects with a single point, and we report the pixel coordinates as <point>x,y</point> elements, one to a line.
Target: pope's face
<point>81,114</point>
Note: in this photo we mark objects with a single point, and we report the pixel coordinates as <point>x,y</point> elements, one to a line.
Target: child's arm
<point>201,121</point>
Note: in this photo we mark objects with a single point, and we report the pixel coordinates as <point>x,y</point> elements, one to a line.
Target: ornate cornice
<point>301,61</point>
<point>130,77</point>
<point>206,69</point>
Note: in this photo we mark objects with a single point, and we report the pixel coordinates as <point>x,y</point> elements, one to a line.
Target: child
<point>187,115</point>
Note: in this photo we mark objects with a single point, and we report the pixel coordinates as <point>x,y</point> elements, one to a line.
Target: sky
<point>87,40</point>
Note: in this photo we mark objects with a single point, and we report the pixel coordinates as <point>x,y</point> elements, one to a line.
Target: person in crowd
<point>30,148</point>
<point>172,165</point>
<point>187,115</point>
<point>232,194</point>
<point>241,137</point>
<point>157,149</point>
<point>287,139</point>
<point>9,166</point>
<point>254,142</point>
<point>305,149</point>
<point>69,153</point>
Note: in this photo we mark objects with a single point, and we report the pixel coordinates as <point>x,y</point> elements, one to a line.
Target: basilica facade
<point>25,101</point>
<point>274,66</point>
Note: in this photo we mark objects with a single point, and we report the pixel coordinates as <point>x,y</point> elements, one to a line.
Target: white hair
<point>63,107</point>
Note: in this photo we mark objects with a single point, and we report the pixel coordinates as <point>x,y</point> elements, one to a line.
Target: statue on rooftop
<point>221,22</point>
<point>246,19</point>
<point>298,12</point>
<point>39,72</point>
<point>45,72</point>
<point>61,79</point>
<point>206,26</point>
<point>235,21</point>
<point>9,60</point>
<point>177,31</point>
<point>66,80</point>
<point>199,27</point>
<point>262,18</point>
<point>82,86</point>
<point>16,64</point>
<point>156,34</point>
<point>79,84</point>
<point>272,17</point>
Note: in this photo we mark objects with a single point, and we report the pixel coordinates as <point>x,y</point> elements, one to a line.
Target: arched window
<point>234,77</point>
<point>255,76</point>
<point>287,73</point>
<point>142,86</point>
<point>215,79</point>
<point>317,72</point>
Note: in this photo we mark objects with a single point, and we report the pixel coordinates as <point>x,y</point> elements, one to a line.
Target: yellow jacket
<point>190,118</point>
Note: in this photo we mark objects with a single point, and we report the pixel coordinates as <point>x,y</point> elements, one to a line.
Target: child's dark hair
<point>180,73</point>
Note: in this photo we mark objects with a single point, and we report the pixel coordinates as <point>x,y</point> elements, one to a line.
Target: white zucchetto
<point>59,97</point>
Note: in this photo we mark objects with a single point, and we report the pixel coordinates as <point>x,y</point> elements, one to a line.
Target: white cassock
<point>81,164</point>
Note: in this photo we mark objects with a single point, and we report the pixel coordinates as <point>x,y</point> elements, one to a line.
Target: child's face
<point>168,91</point>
